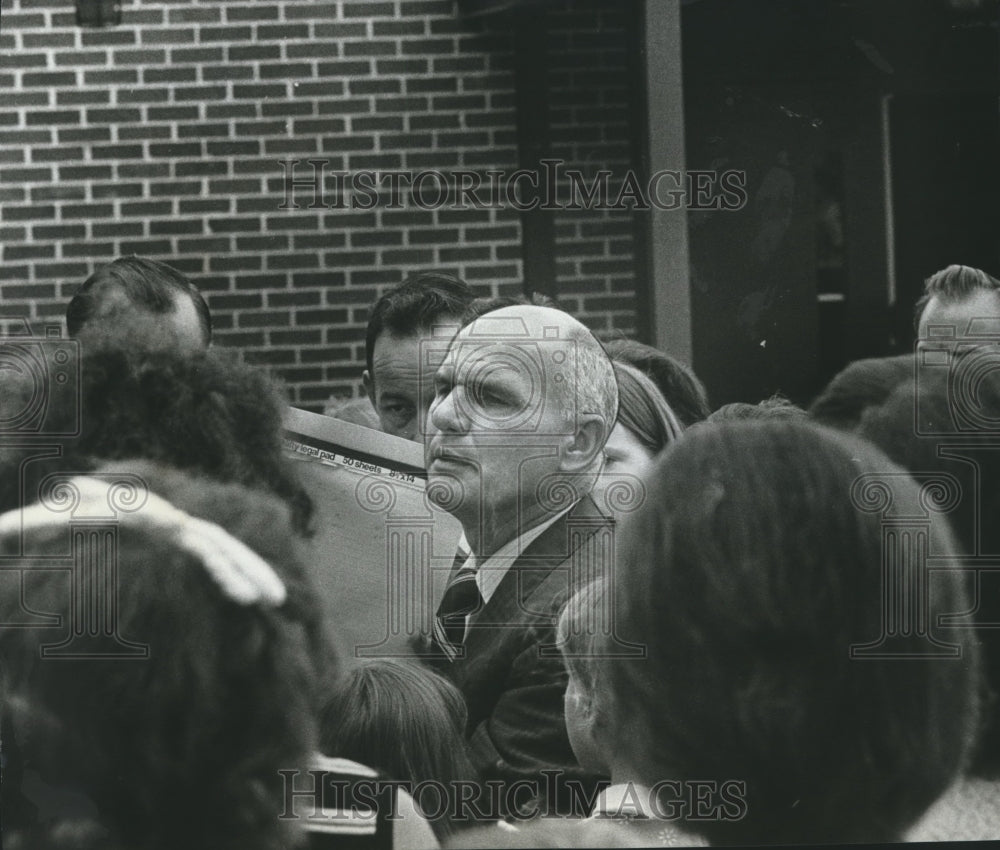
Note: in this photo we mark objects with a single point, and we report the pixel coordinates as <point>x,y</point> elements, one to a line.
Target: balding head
<point>524,399</point>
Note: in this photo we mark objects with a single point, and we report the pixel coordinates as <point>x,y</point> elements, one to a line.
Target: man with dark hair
<point>398,377</point>
<point>143,301</point>
<point>958,302</point>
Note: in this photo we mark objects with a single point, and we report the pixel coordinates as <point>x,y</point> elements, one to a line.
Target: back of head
<point>937,432</point>
<point>775,407</point>
<point>861,384</point>
<point>397,716</point>
<point>413,307</point>
<point>643,409</point>
<point>955,283</point>
<point>685,394</point>
<point>749,586</point>
<point>127,300</point>
<point>177,713</point>
<point>205,413</point>
<point>403,719</point>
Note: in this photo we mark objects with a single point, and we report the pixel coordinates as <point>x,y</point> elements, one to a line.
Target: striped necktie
<point>460,599</point>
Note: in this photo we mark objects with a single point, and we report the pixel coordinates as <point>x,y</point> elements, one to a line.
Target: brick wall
<point>165,137</point>
<point>591,100</point>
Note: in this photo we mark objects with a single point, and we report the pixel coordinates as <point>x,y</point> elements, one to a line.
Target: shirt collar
<point>490,572</point>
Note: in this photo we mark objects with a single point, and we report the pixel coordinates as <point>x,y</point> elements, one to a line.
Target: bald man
<point>524,402</point>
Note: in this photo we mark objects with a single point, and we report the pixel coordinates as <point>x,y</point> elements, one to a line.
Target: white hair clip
<point>240,573</point>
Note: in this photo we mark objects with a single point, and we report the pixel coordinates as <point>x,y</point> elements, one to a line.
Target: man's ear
<point>369,385</point>
<point>586,444</point>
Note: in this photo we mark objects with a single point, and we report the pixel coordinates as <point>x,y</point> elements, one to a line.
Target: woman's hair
<point>402,719</point>
<point>204,413</point>
<point>174,697</point>
<point>682,389</point>
<point>643,409</point>
<point>755,587</point>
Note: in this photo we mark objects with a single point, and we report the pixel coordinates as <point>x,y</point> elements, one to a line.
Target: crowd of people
<point>666,625</point>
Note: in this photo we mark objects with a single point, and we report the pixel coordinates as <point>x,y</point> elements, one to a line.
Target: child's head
<point>400,718</point>
<point>757,569</point>
<point>584,707</point>
<point>175,672</point>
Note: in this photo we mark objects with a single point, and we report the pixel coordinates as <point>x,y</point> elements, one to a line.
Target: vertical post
<point>664,232</point>
<point>538,238</point>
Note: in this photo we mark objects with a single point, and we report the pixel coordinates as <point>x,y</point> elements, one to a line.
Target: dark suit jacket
<point>512,675</point>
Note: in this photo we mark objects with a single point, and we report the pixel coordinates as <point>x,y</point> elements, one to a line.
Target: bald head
<point>576,373</point>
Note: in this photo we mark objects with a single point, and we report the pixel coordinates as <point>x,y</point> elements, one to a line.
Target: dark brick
<point>320,317</point>
<point>147,208</point>
<point>293,299</point>
<point>201,168</point>
<point>285,71</point>
<point>345,69</point>
<point>172,35</point>
<point>145,132</point>
<point>200,93</point>
<point>237,263</point>
<point>281,32</point>
<point>259,91</point>
<point>264,320</point>
<point>85,172</point>
<point>228,35</point>
<point>117,230</point>
<point>214,73</point>
<point>299,337</point>
<point>122,76</point>
<point>371,48</point>
<point>204,246</point>
<point>150,247</point>
<point>175,227</point>
<point>113,116</point>
<point>48,117</point>
<point>198,206</point>
<point>176,149</point>
<point>367,10</point>
<point>28,252</point>
<point>116,189</point>
<point>55,193</point>
<point>82,97</point>
<point>424,46</point>
<point>252,12</point>
<point>106,37</point>
<point>46,79</point>
<point>173,113</point>
<point>140,58</point>
<point>82,57</point>
<point>233,225</point>
<point>87,211</point>
<point>194,15</point>
<point>170,75</point>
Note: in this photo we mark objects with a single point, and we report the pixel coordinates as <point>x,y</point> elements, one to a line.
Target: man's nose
<point>445,414</point>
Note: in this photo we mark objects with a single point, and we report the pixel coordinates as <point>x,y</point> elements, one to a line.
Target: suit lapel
<point>553,548</point>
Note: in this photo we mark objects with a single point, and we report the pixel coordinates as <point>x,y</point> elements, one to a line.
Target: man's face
<point>500,418</point>
<point>401,384</point>
<point>945,321</point>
